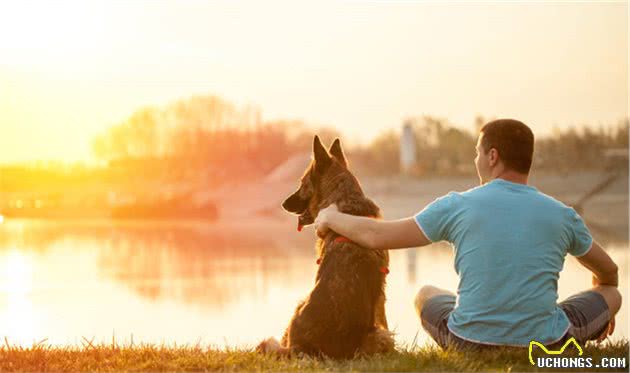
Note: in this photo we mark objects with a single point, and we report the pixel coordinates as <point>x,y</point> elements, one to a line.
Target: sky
<point>71,69</point>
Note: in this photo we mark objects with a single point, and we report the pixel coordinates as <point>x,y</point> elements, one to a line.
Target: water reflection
<point>16,276</point>
<point>189,283</point>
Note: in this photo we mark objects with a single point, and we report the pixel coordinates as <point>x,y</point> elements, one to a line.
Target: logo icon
<point>553,352</point>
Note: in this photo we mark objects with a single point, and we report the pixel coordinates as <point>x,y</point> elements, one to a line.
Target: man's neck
<point>512,176</point>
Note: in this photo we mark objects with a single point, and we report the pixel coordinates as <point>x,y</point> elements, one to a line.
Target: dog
<point>344,314</point>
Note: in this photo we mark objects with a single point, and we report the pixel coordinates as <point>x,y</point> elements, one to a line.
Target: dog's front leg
<point>379,312</point>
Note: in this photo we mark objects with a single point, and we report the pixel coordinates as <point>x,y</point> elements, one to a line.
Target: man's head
<point>504,145</point>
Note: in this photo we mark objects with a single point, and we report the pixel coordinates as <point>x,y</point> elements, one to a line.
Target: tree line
<point>210,141</point>
<point>208,132</point>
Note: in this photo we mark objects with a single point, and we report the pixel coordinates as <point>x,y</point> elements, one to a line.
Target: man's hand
<point>608,331</point>
<point>323,219</point>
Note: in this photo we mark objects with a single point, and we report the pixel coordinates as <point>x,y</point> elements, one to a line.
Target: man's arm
<point>605,282</point>
<point>372,233</point>
<point>601,265</point>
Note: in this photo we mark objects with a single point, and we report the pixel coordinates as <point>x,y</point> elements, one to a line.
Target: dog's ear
<point>335,151</point>
<point>322,158</point>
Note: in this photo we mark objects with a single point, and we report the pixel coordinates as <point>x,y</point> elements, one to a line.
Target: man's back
<point>510,242</point>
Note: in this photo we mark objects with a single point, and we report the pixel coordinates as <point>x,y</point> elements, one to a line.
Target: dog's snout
<point>295,204</point>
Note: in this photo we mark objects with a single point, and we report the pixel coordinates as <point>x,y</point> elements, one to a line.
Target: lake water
<point>190,283</point>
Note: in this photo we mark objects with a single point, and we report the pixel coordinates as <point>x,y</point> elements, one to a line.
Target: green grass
<point>111,357</point>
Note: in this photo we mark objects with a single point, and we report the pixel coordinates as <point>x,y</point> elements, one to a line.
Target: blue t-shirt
<point>510,241</point>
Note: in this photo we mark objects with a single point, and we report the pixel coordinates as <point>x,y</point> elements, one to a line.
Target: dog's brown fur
<point>344,314</point>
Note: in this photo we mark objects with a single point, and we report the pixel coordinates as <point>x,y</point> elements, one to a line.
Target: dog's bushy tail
<point>272,346</point>
<point>377,341</point>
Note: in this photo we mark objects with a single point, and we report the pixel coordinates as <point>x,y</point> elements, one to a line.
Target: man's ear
<point>322,158</point>
<point>493,158</point>
<point>336,151</point>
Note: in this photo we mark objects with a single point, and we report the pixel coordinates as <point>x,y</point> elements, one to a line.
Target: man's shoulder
<point>551,203</point>
<point>551,200</point>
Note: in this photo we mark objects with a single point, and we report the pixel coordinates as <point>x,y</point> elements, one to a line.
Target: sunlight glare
<point>55,32</point>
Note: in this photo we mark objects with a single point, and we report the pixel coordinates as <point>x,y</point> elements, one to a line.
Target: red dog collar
<point>342,239</point>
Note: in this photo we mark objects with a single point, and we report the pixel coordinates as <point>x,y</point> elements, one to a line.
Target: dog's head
<point>306,201</point>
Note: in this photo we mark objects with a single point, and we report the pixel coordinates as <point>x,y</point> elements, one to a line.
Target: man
<point>510,242</point>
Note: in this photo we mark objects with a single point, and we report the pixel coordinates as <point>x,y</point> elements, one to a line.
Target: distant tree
<point>206,134</point>
<point>384,154</point>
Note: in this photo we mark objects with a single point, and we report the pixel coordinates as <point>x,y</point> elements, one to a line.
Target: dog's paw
<point>269,345</point>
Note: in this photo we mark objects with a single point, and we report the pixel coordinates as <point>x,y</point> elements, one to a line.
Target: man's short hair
<point>513,140</point>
